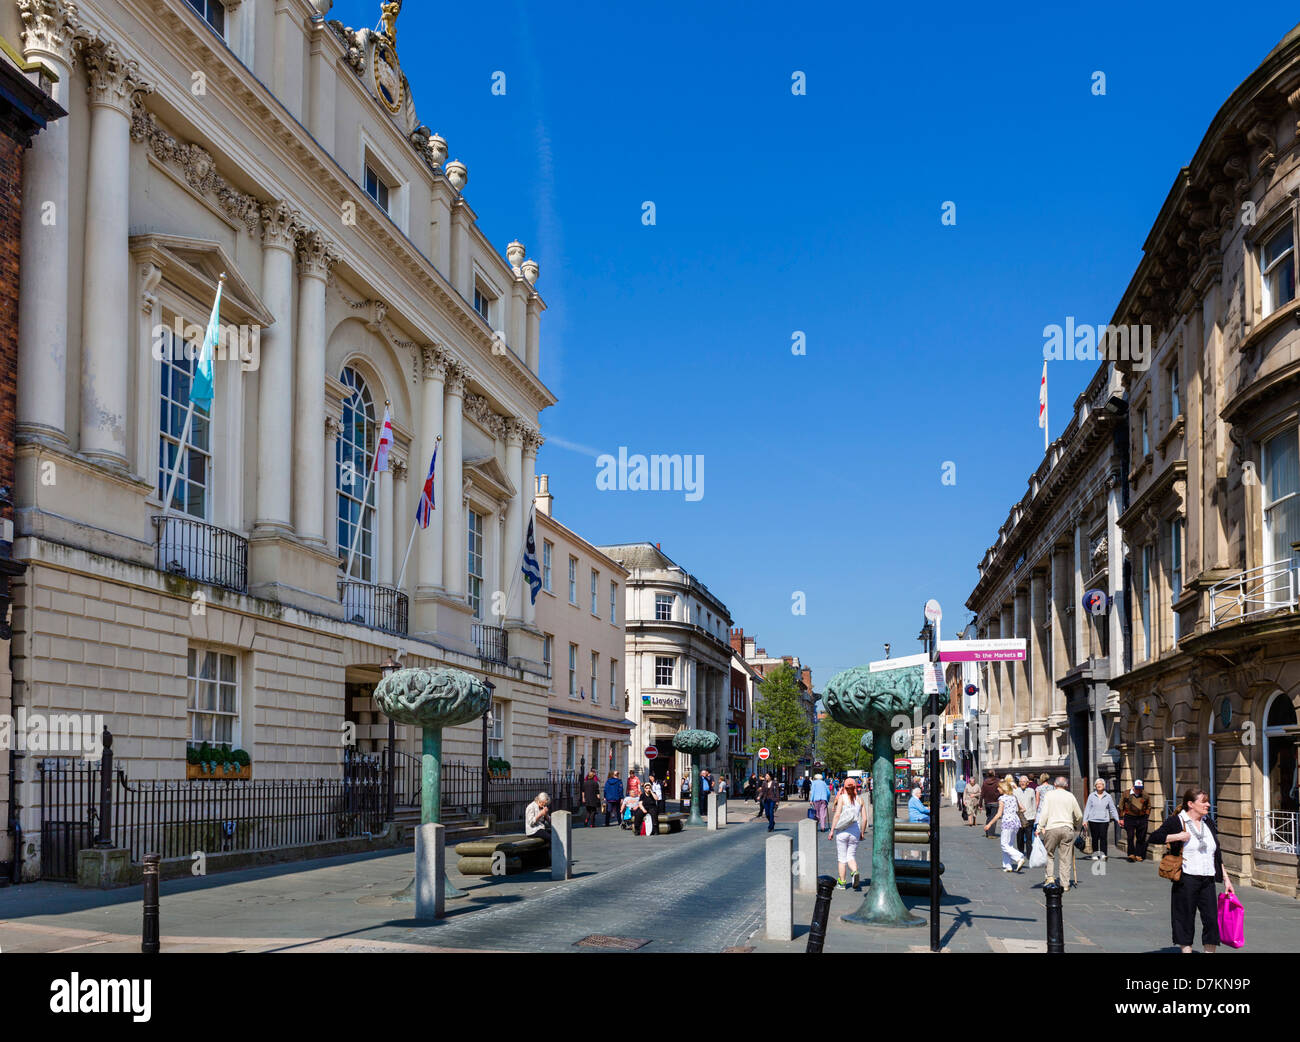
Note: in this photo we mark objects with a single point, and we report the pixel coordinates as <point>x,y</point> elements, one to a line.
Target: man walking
<point>1134,812</point>
<point>769,798</point>
<point>989,794</point>
<point>1059,821</point>
<point>1028,809</point>
<point>613,796</point>
<point>821,796</point>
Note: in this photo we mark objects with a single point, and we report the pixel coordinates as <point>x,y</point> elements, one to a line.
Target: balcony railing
<point>201,552</point>
<point>379,607</point>
<point>1276,830</point>
<point>1256,591</point>
<point>491,643</point>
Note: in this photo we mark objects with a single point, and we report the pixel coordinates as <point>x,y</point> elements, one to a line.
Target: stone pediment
<point>194,266</point>
<point>489,474</point>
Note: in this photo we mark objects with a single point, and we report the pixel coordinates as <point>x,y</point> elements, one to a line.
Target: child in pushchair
<point>626,807</point>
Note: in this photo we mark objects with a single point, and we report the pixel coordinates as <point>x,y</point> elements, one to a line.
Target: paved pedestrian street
<point>698,891</point>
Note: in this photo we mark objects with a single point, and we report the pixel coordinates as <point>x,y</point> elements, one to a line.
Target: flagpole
<point>519,569</point>
<point>414,525</point>
<point>365,500</point>
<point>189,412</point>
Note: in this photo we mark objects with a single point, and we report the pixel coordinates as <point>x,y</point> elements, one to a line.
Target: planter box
<point>499,774</point>
<point>194,770</point>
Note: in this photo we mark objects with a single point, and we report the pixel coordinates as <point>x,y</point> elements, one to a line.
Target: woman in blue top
<point>916,810</point>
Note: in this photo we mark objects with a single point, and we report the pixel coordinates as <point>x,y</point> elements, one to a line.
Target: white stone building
<point>678,657</point>
<point>257,140</point>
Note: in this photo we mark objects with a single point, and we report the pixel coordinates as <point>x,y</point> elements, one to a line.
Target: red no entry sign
<point>651,752</point>
<point>763,753</point>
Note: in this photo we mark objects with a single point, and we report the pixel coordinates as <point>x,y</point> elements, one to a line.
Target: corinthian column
<point>43,274</point>
<point>512,578</point>
<point>315,256</point>
<point>532,442</point>
<point>105,357</point>
<point>275,379</point>
<point>453,518</point>
<point>429,541</point>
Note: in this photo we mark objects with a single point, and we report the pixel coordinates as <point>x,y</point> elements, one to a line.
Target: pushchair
<point>625,815</point>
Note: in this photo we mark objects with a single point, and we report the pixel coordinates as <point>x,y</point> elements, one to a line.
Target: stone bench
<point>670,823</point>
<point>519,852</point>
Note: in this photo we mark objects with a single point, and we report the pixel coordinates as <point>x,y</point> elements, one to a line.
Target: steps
<point>460,825</point>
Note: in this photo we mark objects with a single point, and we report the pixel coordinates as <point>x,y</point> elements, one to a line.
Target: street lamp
<point>488,720</point>
<point>386,669</point>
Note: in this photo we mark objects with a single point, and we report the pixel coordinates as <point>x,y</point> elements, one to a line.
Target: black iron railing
<point>379,607</point>
<point>491,643</point>
<point>201,552</point>
<point>462,788</point>
<point>178,819</point>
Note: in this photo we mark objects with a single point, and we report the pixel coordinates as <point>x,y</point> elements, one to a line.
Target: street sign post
<point>651,752</point>
<point>764,753</point>
<point>1004,649</point>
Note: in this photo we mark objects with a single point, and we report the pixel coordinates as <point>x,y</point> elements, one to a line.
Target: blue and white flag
<point>532,571</point>
<point>201,388</point>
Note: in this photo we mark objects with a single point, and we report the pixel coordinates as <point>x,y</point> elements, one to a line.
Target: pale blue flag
<point>201,388</point>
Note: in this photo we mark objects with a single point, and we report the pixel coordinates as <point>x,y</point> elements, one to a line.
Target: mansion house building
<point>265,143</point>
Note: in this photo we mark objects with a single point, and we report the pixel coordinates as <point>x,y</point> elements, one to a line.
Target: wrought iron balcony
<point>491,643</point>
<point>202,552</point>
<point>1256,591</point>
<point>379,607</point>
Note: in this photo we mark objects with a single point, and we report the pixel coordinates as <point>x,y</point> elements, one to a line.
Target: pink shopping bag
<point>1232,921</point>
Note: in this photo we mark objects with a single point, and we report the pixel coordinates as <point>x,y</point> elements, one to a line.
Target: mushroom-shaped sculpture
<point>858,697</point>
<point>695,744</point>
<point>432,699</point>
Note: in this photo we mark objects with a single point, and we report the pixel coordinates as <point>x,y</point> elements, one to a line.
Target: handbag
<point>1171,867</point>
<point>1232,921</point>
<point>812,813</point>
<point>1080,842</point>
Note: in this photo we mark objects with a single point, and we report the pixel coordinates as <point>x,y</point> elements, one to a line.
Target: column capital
<point>150,275</point>
<point>398,467</point>
<point>516,432</point>
<point>533,441</point>
<point>433,362</point>
<point>333,426</point>
<point>115,79</point>
<point>456,377</point>
<point>49,29</point>
<point>281,225</point>
<point>316,254</point>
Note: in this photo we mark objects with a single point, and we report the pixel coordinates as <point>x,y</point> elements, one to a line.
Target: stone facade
<point>287,156</point>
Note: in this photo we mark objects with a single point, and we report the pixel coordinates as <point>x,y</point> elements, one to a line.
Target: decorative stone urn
<point>515,253</point>
<point>458,174</point>
<point>530,271</point>
<point>860,698</point>
<point>432,699</point>
<point>695,744</point>
<point>438,149</point>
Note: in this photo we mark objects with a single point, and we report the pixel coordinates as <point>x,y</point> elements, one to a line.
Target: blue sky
<point>819,213</point>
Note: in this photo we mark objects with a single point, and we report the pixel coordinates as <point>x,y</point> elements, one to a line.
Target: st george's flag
<point>385,443</point>
<point>1042,398</point>
<point>424,512</point>
<point>532,572</point>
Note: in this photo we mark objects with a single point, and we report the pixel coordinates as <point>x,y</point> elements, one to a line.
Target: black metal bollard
<point>149,938</point>
<point>821,914</point>
<point>104,840</point>
<point>1055,925</point>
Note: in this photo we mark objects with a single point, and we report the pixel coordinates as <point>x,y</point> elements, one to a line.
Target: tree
<point>782,723</point>
<point>840,748</point>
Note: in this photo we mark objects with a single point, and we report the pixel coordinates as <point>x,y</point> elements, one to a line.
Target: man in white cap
<point>1134,810</point>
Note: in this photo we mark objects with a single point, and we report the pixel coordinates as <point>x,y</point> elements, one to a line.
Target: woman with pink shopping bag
<point>1194,863</point>
<point>1232,921</point>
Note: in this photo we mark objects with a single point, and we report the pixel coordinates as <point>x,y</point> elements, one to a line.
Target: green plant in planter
<point>241,758</point>
<point>192,756</point>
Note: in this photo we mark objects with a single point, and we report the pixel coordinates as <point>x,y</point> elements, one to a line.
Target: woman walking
<point>1009,816</point>
<point>972,801</point>
<point>848,815</point>
<point>1099,812</point>
<point>1192,832</point>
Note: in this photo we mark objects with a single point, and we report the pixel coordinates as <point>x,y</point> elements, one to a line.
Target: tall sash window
<point>354,455</point>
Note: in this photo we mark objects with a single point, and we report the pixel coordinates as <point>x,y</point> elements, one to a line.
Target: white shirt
<point>1198,851</point>
<point>657,790</point>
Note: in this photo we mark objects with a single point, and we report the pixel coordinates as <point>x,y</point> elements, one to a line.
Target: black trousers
<point>989,810</point>
<point>1137,836</point>
<point>1190,895</point>
<point>612,808</point>
<point>1099,830</point>
<point>1025,839</point>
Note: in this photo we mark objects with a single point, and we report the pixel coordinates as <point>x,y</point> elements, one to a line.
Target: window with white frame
<point>377,187</point>
<point>1277,269</point>
<point>483,301</point>
<point>1146,598</point>
<point>354,455</point>
<point>664,670</point>
<point>663,607</point>
<point>1175,393</point>
<point>613,602</point>
<point>213,681</point>
<point>474,564</point>
<point>546,653</point>
<point>1281,733</point>
<point>190,496</point>
<point>573,671</point>
<point>1176,528</point>
<point>570,753</point>
<point>211,11</point>
<point>497,730</point>
<point>1280,478</point>
<point>595,595</point>
<point>1144,421</point>
<point>613,682</point>
<point>547,549</point>
<point>595,677</point>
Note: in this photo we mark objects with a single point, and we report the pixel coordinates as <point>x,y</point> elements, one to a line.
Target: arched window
<point>354,455</point>
<point>1280,770</point>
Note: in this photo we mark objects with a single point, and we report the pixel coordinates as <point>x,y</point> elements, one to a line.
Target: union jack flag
<point>424,512</point>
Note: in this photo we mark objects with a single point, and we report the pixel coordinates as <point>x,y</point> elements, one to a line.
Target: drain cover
<point>618,944</point>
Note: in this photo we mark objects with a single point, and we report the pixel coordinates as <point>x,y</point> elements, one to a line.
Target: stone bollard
<point>807,862</point>
<point>711,815</point>
<point>430,871</point>
<point>722,810</point>
<point>562,845</point>
<point>780,889</point>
